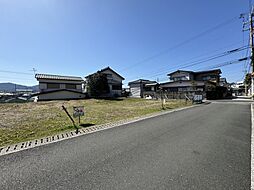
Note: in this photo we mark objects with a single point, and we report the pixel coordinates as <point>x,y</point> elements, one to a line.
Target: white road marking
<point>252,147</point>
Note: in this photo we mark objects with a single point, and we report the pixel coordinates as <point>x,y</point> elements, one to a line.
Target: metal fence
<point>173,95</point>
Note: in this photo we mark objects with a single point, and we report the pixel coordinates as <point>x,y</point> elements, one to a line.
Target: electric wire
<point>181,43</point>
<point>200,61</point>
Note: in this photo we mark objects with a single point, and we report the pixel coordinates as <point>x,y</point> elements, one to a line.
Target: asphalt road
<point>206,147</point>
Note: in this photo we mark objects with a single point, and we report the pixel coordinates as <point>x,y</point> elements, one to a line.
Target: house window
<point>182,89</point>
<point>206,78</point>
<point>109,76</point>
<point>209,77</point>
<point>53,86</point>
<point>116,87</point>
<point>70,86</point>
<point>181,78</point>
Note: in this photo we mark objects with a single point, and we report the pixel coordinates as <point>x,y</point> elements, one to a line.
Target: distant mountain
<point>11,87</point>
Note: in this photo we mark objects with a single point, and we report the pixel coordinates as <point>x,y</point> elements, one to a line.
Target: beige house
<point>56,87</point>
<point>114,82</point>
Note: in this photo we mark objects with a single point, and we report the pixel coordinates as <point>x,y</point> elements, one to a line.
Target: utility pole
<point>245,88</point>
<point>252,50</point>
<point>250,23</point>
<point>34,70</point>
<point>242,16</point>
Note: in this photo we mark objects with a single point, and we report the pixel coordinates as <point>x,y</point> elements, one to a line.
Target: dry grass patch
<point>26,121</point>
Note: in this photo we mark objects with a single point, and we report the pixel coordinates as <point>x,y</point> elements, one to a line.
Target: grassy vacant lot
<point>26,121</point>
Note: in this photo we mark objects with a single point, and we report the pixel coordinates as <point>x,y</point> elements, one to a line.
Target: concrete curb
<point>71,134</point>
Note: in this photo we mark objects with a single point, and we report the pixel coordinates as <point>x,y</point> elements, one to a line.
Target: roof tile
<point>57,77</point>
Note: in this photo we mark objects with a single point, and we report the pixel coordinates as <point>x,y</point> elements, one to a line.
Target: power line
<point>14,78</point>
<point>246,63</point>
<point>15,72</point>
<point>215,57</point>
<point>197,62</point>
<point>226,63</point>
<point>193,58</point>
<point>34,70</point>
<point>220,65</point>
<point>182,43</point>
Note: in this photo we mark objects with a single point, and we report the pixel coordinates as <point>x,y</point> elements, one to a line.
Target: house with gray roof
<point>114,82</point>
<point>192,82</point>
<point>57,87</point>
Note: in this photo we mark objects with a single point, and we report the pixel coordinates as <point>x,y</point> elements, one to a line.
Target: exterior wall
<point>62,86</point>
<point>191,76</point>
<point>59,81</point>
<point>43,85</point>
<point>183,84</point>
<point>213,77</point>
<point>61,95</point>
<point>79,87</point>
<point>139,89</point>
<point>116,92</point>
<point>186,75</point>
<point>135,92</point>
<point>113,79</point>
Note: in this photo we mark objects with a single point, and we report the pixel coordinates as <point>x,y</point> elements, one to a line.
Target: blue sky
<point>79,37</point>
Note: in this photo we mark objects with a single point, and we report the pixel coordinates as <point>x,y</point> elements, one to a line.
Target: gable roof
<point>198,72</point>
<point>105,69</point>
<point>108,68</point>
<point>178,71</point>
<point>57,77</point>
<point>141,81</point>
<point>209,71</point>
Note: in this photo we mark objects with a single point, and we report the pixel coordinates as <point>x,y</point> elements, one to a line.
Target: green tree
<point>247,79</point>
<point>98,84</point>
